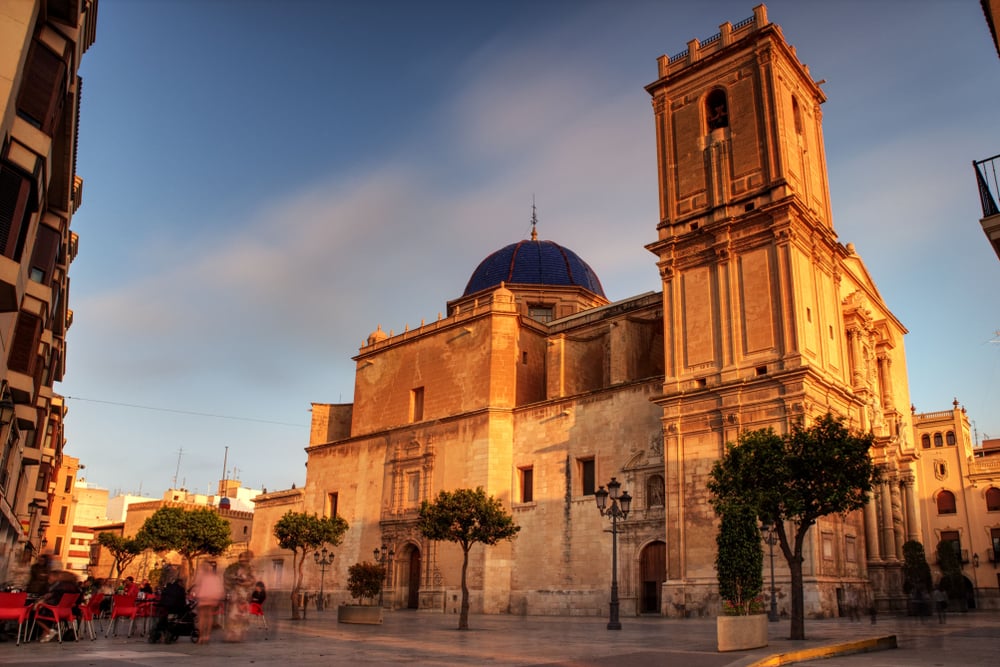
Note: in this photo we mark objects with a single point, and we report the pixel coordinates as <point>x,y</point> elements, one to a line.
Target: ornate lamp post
<point>324,562</point>
<point>620,504</point>
<point>771,538</point>
<point>383,557</point>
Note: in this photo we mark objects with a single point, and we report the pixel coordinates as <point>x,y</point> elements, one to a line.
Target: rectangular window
<point>413,487</point>
<point>69,484</point>
<point>43,257</point>
<point>953,537</point>
<point>417,404</point>
<point>15,190</point>
<point>850,549</point>
<point>540,312</point>
<point>827,546</point>
<point>527,485</point>
<point>587,476</point>
<point>57,549</point>
<point>24,345</point>
<point>331,504</point>
<point>43,89</point>
<point>62,515</point>
<point>277,573</point>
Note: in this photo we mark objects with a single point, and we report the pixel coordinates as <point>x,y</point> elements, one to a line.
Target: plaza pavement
<point>422,638</point>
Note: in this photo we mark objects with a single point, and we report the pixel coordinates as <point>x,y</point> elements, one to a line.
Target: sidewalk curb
<point>883,643</point>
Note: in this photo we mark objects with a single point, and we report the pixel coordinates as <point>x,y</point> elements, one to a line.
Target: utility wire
<point>181,412</point>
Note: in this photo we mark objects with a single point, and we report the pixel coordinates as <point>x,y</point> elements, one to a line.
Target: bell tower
<point>754,279</point>
<point>746,246</point>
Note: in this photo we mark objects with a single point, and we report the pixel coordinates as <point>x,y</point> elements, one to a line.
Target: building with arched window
<point>960,500</point>
<point>538,388</point>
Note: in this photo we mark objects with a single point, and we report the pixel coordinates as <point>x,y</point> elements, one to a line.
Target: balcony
<point>989,194</point>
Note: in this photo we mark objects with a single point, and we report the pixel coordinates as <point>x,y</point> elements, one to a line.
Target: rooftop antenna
<point>178,468</point>
<point>534,219</point>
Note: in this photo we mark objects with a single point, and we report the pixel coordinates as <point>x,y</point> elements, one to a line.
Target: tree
<point>916,576</point>
<point>789,481</point>
<point>466,517</point>
<point>739,561</point>
<point>364,581</point>
<point>916,571</point>
<point>191,533</point>
<point>301,533</point>
<point>952,582</point>
<point>123,549</point>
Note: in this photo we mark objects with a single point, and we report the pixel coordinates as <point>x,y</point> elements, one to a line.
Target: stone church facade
<point>538,389</point>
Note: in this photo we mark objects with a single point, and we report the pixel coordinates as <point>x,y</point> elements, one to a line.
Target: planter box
<point>739,633</point>
<point>351,613</point>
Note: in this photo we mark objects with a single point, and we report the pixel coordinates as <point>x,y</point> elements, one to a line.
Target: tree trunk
<point>297,587</point>
<point>463,618</point>
<point>798,630</point>
<point>793,556</point>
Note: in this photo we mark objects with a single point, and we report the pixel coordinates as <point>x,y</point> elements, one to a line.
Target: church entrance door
<point>413,581</point>
<point>653,572</point>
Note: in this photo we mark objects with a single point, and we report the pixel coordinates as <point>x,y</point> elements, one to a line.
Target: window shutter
<point>44,255</point>
<point>42,87</point>
<point>24,346</point>
<point>14,192</point>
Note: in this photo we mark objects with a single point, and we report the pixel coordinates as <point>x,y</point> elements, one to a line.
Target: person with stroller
<point>173,601</point>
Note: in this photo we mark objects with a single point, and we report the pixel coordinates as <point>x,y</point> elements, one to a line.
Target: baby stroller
<point>175,616</point>
<point>171,626</point>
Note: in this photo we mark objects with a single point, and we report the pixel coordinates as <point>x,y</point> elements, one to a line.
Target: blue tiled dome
<point>534,263</point>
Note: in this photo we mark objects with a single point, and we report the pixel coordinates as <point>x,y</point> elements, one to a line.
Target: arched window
<point>797,116</point>
<point>937,440</point>
<point>654,491</point>
<point>950,438</point>
<point>925,440</point>
<point>946,502</point>
<point>717,110</point>
<point>993,499</point>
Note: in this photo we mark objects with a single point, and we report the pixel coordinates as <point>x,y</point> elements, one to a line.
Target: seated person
<point>64,583</point>
<point>130,588</point>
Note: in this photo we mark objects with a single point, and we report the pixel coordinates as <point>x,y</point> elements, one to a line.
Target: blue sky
<point>265,183</point>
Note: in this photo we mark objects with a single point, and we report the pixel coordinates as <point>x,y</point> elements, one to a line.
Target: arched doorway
<point>652,574</point>
<point>409,573</point>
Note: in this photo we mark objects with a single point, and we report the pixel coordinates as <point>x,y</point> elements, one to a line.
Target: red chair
<point>123,606</point>
<point>145,610</point>
<point>59,614</point>
<point>89,612</point>
<point>14,607</point>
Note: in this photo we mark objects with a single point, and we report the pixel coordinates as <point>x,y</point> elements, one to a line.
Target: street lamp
<point>620,503</point>
<point>383,557</point>
<point>771,538</point>
<point>323,563</point>
<point>33,508</point>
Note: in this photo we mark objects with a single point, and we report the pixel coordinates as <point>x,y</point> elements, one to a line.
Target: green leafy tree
<point>123,549</point>
<point>191,533</point>
<point>364,581</point>
<point>739,561</point>
<point>302,533</point>
<point>466,517</point>
<point>952,581</point>
<point>916,571</point>
<point>789,481</point>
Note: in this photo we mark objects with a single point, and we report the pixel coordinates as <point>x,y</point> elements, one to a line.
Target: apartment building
<point>43,42</point>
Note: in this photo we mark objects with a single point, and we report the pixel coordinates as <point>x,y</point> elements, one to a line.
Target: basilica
<point>537,388</point>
